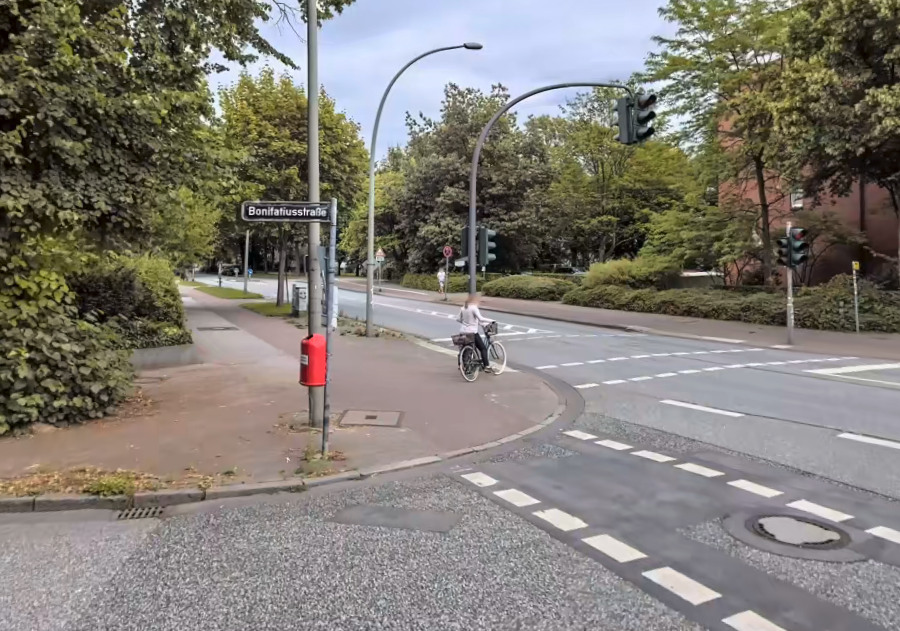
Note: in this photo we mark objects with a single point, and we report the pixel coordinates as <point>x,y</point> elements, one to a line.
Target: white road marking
<point>597,361</point>
<point>885,533</point>
<point>720,351</point>
<point>872,441</point>
<point>782,346</point>
<point>688,372</point>
<point>617,359</point>
<point>776,364</point>
<point>587,385</point>
<point>754,365</point>
<point>516,498</point>
<point>640,379</point>
<point>615,549</point>
<point>713,369</point>
<point>682,586</point>
<point>721,339</point>
<point>574,433</point>
<point>701,408</point>
<point>573,336</point>
<point>480,479</point>
<point>700,353</point>
<point>572,364</point>
<point>820,511</point>
<point>639,356</point>
<point>666,374</point>
<point>843,370</point>
<point>660,355</point>
<point>750,621</point>
<point>547,367</point>
<point>590,335</point>
<point>699,470</point>
<point>562,520</point>
<point>752,487</point>
<point>612,444</point>
<point>679,354</point>
<point>797,361</point>
<point>614,382</point>
<point>652,455</point>
<point>438,349</point>
<point>737,366</point>
<point>442,339</point>
<point>752,350</point>
<point>551,337</point>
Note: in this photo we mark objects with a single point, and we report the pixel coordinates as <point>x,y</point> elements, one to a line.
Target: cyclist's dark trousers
<point>482,348</point>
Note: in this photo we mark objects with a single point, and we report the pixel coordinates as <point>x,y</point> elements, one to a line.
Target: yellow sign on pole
<point>855,266</point>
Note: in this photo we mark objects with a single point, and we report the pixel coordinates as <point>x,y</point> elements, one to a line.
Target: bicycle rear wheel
<point>469,363</point>
<point>497,355</point>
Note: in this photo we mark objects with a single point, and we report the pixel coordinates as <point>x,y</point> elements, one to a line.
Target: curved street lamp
<point>370,264</point>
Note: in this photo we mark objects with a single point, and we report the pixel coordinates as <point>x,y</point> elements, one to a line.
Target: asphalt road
<point>637,518</point>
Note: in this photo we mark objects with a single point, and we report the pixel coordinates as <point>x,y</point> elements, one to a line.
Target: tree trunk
<point>279,299</point>
<point>764,220</point>
<point>895,202</point>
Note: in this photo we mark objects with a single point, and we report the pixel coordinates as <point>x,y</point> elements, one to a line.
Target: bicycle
<point>469,359</point>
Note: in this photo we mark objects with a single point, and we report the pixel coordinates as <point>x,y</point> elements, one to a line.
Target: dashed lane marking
<point>820,511</point>
<point>585,386</point>
<point>615,549</point>
<point>688,372</point>
<point>713,369</point>
<point>613,444</point>
<point>516,498</point>
<point>701,408</point>
<point>752,487</point>
<point>663,375</point>
<point>480,479</point>
<point>617,359</point>
<point>652,455</point>
<point>706,472</point>
<point>548,367</point>
<point>640,379</point>
<point>562,520</point>
<point>572,364</point>
<point>844,370</point>
<point>885,533</point>
<point>872,441</point>
<point>682,586</point>
<point>574,433</point>
<point>613,382</point>
<point>721,339</point>
<point>750,621</point>
<point>597,361</point>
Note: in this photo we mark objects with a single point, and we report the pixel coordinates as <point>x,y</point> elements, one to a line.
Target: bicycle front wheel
<point>469,363</point>
<point>497,354</point>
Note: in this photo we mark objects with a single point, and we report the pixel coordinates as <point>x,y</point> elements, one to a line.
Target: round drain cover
<point>798,531</point>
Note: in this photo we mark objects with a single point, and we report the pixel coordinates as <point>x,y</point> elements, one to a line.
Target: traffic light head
<point>784,251</point>
<point>464,238</point>
<point>799,246</point>
<point>625,120</point>
<point>485,245</point>
<point>643,115</point>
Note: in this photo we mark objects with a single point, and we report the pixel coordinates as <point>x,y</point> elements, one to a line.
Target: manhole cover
<point>217,328</point>
<point>370,417</point>
<point>798,531</point>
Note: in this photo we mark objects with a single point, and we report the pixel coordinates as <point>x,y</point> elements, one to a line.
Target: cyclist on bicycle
<point>469,319</point>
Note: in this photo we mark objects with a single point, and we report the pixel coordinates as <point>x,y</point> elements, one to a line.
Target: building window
<point>797,199</point>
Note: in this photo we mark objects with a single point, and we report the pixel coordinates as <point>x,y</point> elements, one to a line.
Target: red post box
<point>313,356</point>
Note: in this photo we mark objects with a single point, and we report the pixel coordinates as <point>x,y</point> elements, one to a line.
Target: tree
<point>265,119</point>
<point>721,71</point>
<point>839,117</point>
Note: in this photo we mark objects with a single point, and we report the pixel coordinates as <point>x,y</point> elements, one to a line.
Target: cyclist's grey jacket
<point>469,318</point>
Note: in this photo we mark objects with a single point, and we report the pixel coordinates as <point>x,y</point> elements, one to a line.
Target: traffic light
<point>485,245</point>
<point>799,247</point>
<point>624,109</point>
<point>464,236</point>
<point>784,251</point>
<point>643,115</point>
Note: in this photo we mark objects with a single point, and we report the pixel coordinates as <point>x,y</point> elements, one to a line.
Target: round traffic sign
<point>448,251</point>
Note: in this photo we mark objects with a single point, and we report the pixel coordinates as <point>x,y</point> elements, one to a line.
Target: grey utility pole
<point>473,173</point>
<point>313,280</point>
<point>370,263</point>
<point>246,260</point>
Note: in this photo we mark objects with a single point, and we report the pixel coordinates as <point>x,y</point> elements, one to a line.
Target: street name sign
<point>303,212</point>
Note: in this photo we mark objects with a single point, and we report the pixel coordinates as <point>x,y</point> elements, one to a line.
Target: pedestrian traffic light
<point>464,236</point>
<point>799,247</point>
<point>624,110</point>
<point>784,251</point>
<point>643,116</point>
<point>485,245</point>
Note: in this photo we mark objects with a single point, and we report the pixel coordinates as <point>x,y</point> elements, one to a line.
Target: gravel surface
<point>286,567</point>
<point>49,572</point>
<point>540,450</point>
<point>868,588</point>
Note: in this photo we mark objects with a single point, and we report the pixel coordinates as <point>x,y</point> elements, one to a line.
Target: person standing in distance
<point>442,278</point>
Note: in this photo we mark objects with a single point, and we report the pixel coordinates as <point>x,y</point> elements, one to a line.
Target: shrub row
<point>825,307</point>
<point>529,288</point>
<point>456,283</point>
<point>572,278</point>
<point>639,273</point>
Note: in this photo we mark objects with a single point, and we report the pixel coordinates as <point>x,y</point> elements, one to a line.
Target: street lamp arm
<point>473,173</point>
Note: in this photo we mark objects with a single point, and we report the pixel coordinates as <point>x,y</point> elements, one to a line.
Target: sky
<point>527,44</point>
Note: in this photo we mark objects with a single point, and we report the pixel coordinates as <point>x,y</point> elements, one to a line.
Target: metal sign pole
<point>446,276</point>
<point>790,293</point>
<point>855,295</point>
<point>246,259</point>
<point>329,310</point>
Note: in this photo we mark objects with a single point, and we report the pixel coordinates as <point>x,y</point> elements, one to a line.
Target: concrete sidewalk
<point>239,416</point>
<point>876,345</point>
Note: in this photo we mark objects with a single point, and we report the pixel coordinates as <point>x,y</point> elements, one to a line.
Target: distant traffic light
<point>485,245</point>
<point>784,251</point>
<point>799,247</point>
<point>464,236</point>
<point>643,115</point>
<point>625,120</point>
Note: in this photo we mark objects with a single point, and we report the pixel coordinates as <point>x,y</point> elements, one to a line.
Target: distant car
<point>231,270</point>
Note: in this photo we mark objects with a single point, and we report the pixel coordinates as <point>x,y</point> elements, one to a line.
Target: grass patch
<point>88,480</point>
<point>313,464</point>
<point>191,283</point>
<point>227,292</point>
<point>269,309</point>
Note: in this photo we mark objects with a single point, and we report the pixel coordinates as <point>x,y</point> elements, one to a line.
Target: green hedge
<point>137,296</point>
<point>572,278</point>
<point>639,273</point>
<point>825,307</point>
<point>529,288</point>
<point>456,283</point>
